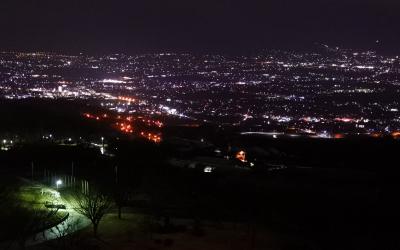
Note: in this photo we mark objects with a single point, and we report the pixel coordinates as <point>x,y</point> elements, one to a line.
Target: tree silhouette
<point>93,205</point>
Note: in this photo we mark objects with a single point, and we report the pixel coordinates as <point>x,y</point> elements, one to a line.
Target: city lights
<point>335,94</point>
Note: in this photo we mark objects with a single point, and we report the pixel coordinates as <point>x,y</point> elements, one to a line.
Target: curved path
<point>73,223</point>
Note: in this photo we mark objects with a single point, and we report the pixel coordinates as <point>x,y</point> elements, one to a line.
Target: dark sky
<point>137,26</point>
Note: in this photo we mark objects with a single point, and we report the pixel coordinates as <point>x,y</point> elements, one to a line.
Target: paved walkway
<point>74,223</point>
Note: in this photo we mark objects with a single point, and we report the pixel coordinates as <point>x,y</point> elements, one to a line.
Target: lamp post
<point>102,146</point>
<point>58,183</point>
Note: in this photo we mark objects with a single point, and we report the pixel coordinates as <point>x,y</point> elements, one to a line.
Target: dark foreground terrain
<point>301,194</point>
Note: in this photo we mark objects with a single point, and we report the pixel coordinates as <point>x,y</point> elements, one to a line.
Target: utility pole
<point>32,170</point>
<point>116,174</point>
<point>72,174</point>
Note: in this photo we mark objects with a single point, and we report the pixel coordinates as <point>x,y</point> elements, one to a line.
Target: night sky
<point>135,26</point>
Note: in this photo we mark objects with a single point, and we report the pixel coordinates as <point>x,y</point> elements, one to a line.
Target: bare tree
<point>93,205</point>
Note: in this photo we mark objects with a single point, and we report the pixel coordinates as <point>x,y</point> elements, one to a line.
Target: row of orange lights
<point>148,121</point>
<point>396,134</point>
<point>128,118</point>
<point>126,127</point>
<point>152,137</point>
<point>127,99</point>
<point>96,117</point>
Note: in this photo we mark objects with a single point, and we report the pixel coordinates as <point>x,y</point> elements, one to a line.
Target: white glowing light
<point>208,170</point>
<point>58,183</point>
<point>111,81</point>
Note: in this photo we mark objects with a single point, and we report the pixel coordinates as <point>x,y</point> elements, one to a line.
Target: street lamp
<point>58,183</point>
<point>102,146</point>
